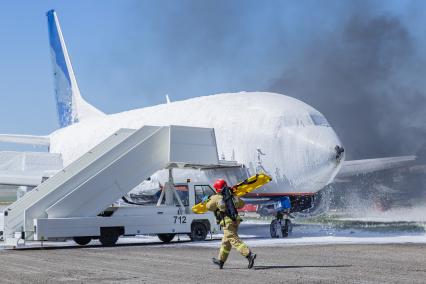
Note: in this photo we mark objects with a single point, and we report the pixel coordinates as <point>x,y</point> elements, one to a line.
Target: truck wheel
<point>198,232</point>
<point>166,238</point>
<point>82,241</point>
<point>109,237</point>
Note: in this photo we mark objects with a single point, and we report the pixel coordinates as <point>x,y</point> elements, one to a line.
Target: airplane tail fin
<point>71,107</point>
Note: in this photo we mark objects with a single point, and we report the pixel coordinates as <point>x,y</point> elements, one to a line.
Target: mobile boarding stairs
<point>73,202</point>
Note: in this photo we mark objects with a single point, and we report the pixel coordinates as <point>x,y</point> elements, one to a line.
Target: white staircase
<point>110,170</point>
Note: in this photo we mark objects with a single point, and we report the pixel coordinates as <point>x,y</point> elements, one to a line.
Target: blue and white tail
<point>70,105</point>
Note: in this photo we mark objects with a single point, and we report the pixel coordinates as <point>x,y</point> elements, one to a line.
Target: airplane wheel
<point>109,237</point>
<point>166,238</point>
<point>290,226</point>
<point>198,232</point>
<point>273,229</point>
<point>286,228</point>
<point>82,241</point>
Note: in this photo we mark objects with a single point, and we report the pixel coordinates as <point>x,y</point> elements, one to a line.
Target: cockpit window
<point>319,120</point>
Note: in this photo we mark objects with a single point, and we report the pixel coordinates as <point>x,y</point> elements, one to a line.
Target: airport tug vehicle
<point>76,203</point>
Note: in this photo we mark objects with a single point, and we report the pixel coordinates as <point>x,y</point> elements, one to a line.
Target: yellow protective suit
<point>230,228</point>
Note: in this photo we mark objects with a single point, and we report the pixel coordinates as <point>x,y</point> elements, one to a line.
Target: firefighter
<point>230,227</point>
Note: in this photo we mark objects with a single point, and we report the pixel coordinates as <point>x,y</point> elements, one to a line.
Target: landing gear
<point>281,226</point>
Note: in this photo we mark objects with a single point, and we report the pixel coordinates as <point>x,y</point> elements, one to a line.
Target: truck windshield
<point>184,196</point>
<point>201,191</point>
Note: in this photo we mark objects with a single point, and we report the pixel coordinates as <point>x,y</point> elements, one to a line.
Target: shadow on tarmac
<point>263,267</point>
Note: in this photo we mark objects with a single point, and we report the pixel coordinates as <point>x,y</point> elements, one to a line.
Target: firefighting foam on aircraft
<point>270,132</point>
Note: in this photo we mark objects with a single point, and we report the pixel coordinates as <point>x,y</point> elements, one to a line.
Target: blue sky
<point>26,89</point>
<point>130,54</point>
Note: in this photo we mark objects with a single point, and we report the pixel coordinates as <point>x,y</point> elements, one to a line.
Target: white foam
<point>414,214</point>
<point>257,235</point>
<point>279,125</point>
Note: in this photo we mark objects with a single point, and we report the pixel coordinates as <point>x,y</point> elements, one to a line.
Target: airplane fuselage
<point>265,131</point>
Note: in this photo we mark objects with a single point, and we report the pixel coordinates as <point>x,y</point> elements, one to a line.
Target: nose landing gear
<point>281,226</point>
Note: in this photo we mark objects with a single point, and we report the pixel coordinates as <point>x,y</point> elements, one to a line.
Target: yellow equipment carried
<point>240,189</point>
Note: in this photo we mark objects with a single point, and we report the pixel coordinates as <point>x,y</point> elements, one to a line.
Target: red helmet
<point>219,185</point>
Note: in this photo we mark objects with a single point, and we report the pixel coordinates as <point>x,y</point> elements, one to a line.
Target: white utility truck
<point>76,203</point>
<point>170,216</point>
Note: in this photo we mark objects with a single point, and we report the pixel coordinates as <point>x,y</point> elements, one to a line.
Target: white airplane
<point>265,131</point>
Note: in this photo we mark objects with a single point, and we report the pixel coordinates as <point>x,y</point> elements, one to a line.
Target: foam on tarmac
<point>256,234</point>
<point>312,254</point>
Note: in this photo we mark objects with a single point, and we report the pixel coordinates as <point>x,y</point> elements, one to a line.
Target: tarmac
<point>314,253</point>
<point>152,262</point>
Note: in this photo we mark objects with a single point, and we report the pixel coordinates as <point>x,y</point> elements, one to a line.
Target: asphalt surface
<point>151,263</point>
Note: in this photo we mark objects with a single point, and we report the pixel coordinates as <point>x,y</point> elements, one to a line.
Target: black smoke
<point>366,80</point>
<point>358,62</point>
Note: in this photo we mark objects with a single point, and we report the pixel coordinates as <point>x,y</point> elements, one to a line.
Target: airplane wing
<point>25,139</point>
<point>27,168</point>
<point>356,167</point>
<point>20,179</point>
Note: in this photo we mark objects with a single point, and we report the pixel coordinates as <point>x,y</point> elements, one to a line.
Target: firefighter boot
<point>251,257</point>
<point>218,262</point>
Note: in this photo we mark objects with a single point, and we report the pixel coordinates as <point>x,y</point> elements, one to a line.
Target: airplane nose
<point>339,153</point>
<point>316,156</point>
